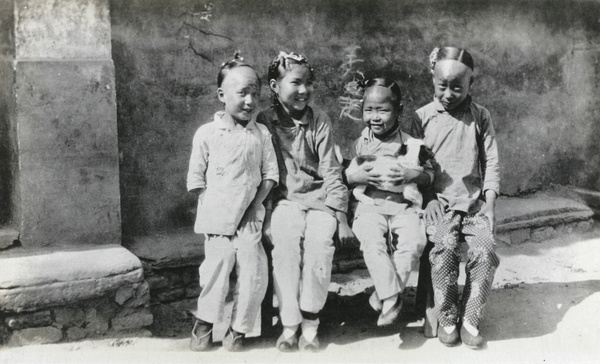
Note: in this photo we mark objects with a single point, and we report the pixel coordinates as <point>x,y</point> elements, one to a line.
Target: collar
<point>463,106</point>
<point>224,121</point>
<point>368,135</point>
<point>279,113</point>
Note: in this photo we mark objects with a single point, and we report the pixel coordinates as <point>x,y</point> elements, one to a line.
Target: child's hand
<point>434,212</point>
<point>266,229</point>
<point>400,175</point>
<point>488,211</point>
<point>345,235</point>
<point>251,220</point>
<point>363,176</point>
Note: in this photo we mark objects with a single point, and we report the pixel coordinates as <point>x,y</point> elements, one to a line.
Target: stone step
<point>33,280</point>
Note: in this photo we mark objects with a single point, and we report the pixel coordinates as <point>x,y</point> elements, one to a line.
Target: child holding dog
<point>461,134</point>
<point>391,232</point>
<point>310,202</point>
<point>232,169</point>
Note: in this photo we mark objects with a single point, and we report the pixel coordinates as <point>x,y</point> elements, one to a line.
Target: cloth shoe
<point>447,339</point>
<point>375,302</point>
<point>287,345</point>
<point>201,336</point>
<point>473,342</point>
<point>233,340</point>
<point>388,318</point>
<point>310,346</point>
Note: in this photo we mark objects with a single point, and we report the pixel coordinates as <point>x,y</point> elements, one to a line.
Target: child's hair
<point>284,61</point>
<point>452,53</point>
<point>387,83</point>
<point>236,62</point>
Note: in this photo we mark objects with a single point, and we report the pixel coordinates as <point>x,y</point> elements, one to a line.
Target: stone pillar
<point>62,126</point>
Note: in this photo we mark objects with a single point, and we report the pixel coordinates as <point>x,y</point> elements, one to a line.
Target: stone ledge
<point>32,280</point>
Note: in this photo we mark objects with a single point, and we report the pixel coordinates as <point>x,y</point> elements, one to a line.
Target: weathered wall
<point>59,130</point>
<point>537,68</point>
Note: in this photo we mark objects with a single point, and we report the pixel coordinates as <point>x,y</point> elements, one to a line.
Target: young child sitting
<point>389,261</point>
<point>461,134</point>
<point>310,202</point>
<point>232,168</point>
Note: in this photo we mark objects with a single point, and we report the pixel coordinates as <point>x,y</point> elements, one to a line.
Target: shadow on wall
<point>536,71</point>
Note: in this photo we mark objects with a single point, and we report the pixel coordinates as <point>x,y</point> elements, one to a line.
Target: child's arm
<point>196,177</point>
<point>488,153</point>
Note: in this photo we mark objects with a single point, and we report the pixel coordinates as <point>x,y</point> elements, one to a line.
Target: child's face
<point>452,81</point>
<point>294,89</point>
<point>380,109</point>
<point>240,93</point>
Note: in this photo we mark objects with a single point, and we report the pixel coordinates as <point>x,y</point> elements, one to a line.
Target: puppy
<point>413,155</point>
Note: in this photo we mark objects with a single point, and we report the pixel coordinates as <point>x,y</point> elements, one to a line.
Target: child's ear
<point>471,81</point>
<point>273,85</point>
<point>400,108</point>
<point>220,95</point>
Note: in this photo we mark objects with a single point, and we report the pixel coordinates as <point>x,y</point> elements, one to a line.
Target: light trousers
<point>243,252</point>
<point>302,259</point>
<point>390,264</point>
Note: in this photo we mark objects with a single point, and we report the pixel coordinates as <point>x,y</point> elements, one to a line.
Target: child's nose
<point>302,89</point>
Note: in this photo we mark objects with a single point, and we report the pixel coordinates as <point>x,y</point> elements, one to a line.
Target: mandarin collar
<point>368,135</point>
<point>463,106</point>
<point>224,121</point>
<point>303,121</point>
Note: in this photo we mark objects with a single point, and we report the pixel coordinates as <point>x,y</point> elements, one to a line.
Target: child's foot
<point>201,336</point>
<point>311,346</point>
<point>448,335</point>
<point>308,339</point>
<point>389,315</point>
<point>469,335</point>
<point>288,341</point>
<point>375,302</point>
<point>233,340</point>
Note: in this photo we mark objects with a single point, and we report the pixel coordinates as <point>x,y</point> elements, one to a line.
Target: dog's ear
<point>401,151</point>
<point>424,154</point>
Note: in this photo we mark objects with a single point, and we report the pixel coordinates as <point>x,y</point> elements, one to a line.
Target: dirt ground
<point>543,309</point>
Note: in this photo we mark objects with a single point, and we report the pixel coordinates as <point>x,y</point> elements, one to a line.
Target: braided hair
<point>236,62</point>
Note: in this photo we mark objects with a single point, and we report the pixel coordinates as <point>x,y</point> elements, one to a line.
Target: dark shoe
<point>201,336</point>
<point>310,346</point>
<point>233,340</point>
<point>287,345</point>
<point>473,342</point>
<point>388,318</point>
<point>447,339</point>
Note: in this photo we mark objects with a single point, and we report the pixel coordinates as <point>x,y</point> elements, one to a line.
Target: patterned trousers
<point>445,259</point>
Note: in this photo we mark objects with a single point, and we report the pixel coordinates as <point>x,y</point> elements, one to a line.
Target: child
<point>310,202</point>
<point>461,134</point>
<point>232,168</point>
<point>392,213</point>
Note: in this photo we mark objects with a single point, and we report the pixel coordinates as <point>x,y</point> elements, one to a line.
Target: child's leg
<point>480,269</point>
<point>252,279</point>
<point>287,229</point>
<point>371,230</point>
<point>410,230</point>
<point>445,260</point>
<point>218,263</point>
<point>318,260</point>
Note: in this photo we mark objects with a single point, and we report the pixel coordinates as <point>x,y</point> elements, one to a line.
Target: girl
<point>310,202</point>
<point>232,168</point>
<point>392,214</point>
<point>461,134</point>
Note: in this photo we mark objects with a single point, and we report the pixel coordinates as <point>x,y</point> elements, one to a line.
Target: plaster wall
<point>536,61</point>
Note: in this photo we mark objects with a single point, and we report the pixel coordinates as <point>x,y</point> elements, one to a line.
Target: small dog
<point>413,155</point>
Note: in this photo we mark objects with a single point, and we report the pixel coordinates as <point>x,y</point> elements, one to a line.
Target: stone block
<point>95,324</point>
<point>62,29</point>
<point>67,316</point>
<point>157,282</point>
<point>31,281</point>
<point>132,319</point>
<point>36,336</point>
<point>193,291</point>
<point>141,296</point>
<point>123,294</point>
<point>76,333</point>
<point>583,226</point>
<point>171,295</point>
<point>172,249</point>
<point>8,236</point>
<point>542,234</point>
<point>519,236</point>
<point>35,319</point>
<point>68,156</point>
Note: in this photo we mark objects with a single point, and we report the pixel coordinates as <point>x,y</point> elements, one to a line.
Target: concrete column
<point>61,122</point>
